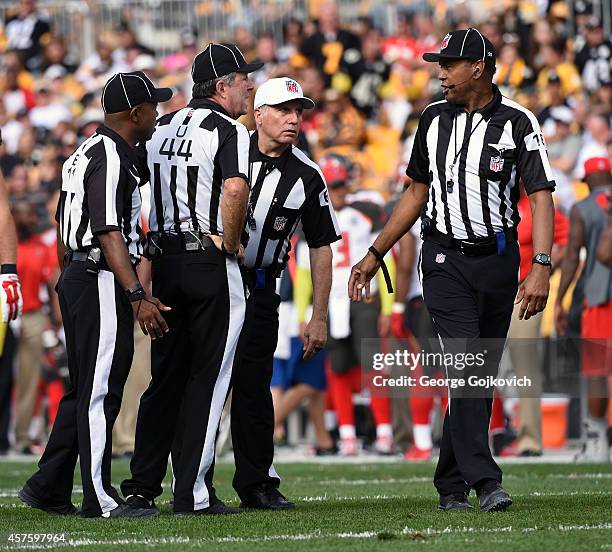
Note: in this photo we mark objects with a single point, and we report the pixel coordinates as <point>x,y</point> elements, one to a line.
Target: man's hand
<point>560,320</point>
<point>361,274</point>
<point>11,300</point>
<point>533,292</point>
<point>147,312</point>
<point>315,338</point>
<point>218,241</point>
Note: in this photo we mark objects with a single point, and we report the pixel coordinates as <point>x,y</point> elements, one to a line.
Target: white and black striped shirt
<point>286,190</point>
<point>100,193</point>
<point>473,162</point>
<point>191,153</point>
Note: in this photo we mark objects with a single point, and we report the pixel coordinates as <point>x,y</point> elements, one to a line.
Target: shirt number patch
<point>323,198</point>
<point>534,141</point>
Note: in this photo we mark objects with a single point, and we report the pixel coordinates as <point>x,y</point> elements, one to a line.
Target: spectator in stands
<point>55,53</point>
<point>50,110</point>
<point>594,139</point>
<point>93,69</point>
<point>181,60</point>
<point>26,31</point>
<point>37,266</point>
<point>16,98</point>
<point>340,124</point>
<point>331,49</point>
<point>369,75</point>
<point>593,58</point>
<point>293,35</point>
<point>554,57</point>
<point>243,39</point>
<point>563,148</point>
<point>512,69</point>
<point>265,50</point>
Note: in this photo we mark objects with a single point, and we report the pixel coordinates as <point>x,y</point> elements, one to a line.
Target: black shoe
<point>493,498</point>
<point>126,511</point>
<point>146,507</point>
<point>530,453</point>
<point>265,497</point>
<point>219,508</point>
<point>330,451</point>
<point>28,497</point>
<point>455,501</point>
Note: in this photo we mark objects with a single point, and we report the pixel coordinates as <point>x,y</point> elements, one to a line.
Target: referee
<point>287,189</point>
<point>469,152</point>
<point>98,239</point>
<point>198,159</point>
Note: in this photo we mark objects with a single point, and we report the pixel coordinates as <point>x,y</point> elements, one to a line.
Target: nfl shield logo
<point>292,86</point>
<point>440,258</point>
<point>279,223</point>
<point>445,40</point>
<point>496,164</point>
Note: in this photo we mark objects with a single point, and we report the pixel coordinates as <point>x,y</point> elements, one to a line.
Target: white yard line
<point>315,535</point>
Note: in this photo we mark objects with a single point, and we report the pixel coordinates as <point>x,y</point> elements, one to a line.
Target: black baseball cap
<point>218,60</point>
<point>124,91</point>
<point>464,44</point>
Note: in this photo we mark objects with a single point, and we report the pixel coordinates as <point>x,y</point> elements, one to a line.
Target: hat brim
<point>432,57</point>
<point>161,95</point>
<point>307,103</point>
<point>250,67</point>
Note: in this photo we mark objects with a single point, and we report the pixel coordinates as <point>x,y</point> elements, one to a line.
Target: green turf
<point>342,507</point>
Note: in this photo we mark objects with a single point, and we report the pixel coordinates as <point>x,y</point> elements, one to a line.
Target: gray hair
<point>207,89</point>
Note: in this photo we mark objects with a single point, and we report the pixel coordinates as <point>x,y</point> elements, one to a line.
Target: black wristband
<point>226,251</point>
<point>385,270</point>
<point>8,269</point>
<point>136,293</point>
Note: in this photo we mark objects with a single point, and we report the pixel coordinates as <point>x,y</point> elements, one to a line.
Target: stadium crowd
<point>370,86</point>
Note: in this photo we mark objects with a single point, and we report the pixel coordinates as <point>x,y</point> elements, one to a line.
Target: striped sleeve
<point>233,153</point>
<point>319,219</point>
<point>418,166</point>
<point>101,185</point>
<point>532,160</point>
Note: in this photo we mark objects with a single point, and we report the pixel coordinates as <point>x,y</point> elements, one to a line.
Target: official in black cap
<point>470,150</point>
<point>198,158</point>
<point>99,294</point>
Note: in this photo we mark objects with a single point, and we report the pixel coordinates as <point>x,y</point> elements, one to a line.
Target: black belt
<point>81,257</point>
<point>174,244</point>
<point>477,247</point>
<point>262,278</point>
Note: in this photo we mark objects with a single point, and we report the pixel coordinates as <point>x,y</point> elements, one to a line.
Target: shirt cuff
<point>417,177</point>
<point>237,175</point>
<point>103,229</point>
<point>548,185</point>
<point>323,242</point>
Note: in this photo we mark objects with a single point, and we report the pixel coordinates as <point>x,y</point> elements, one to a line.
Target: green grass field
<point>348,507</point>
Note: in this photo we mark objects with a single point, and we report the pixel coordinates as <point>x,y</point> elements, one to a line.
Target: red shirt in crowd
<point>36,262</point>
<point>525,238</point>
